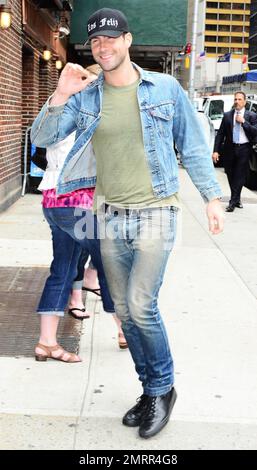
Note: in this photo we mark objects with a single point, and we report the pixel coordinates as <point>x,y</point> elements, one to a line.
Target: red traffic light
<point>188,48</point>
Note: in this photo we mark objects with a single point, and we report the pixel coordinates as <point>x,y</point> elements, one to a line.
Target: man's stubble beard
<point>113,67</point>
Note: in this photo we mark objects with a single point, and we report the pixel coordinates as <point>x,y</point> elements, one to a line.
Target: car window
<point>254,107</point>
<point>216,109</point>
<point>248,105</point>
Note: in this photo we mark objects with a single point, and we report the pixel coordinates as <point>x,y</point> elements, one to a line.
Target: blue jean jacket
<point>167,116</point>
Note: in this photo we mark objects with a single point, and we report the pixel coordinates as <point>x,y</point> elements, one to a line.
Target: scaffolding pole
<point>191,86</point>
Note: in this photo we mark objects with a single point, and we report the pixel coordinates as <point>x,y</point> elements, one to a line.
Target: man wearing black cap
<point>107,22</point>
<point>132,118</point>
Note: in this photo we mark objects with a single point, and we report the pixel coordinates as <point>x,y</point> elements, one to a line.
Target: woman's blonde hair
<point>95,69</point>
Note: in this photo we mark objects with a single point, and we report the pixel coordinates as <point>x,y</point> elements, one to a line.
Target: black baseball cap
<point>107,22</point>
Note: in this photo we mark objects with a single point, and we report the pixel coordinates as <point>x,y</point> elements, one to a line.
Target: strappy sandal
<point>94,291</point>
<point>50,349</point>
<point>78,317</point>
<point>122,341</point>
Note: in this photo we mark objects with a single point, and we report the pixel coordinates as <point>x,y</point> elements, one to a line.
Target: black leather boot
<point>157,413</point>
<point>134,416</point>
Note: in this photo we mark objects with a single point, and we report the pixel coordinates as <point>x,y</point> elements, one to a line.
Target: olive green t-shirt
<point>123,174</point>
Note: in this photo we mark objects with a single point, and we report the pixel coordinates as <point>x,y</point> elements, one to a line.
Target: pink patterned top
<point>82,198</point>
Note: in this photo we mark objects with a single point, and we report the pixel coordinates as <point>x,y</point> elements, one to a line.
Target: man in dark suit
<point>238,130</point>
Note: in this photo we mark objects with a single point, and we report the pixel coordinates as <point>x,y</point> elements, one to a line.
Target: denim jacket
<point>167,116</point>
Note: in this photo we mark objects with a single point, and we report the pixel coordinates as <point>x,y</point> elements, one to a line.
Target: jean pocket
<point>85,119</point>
<point>162,116</point>
<point>163,111</point>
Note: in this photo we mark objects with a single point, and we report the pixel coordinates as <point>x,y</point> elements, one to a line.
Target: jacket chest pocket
<point>85,119</point>
<point>162,116</point>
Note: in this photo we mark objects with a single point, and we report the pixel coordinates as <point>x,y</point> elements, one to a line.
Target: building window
<point>253,39</point>
<point>223,50</point>
<point>238,6</point>
<point>210,38</point>
<point>211,16</point>
<point>223,27</point>
<point>236,50</point>
<point>223,39</point>
<point>237,39</point>
<point>253,50</point>
<point>225,6</point>
<point>237,17</point>
<point>236,29</point>
<point>253,7</point>
<point>224,17</point>
<point>211,27</point>
<point>211,50</point>
<point>212,5</point>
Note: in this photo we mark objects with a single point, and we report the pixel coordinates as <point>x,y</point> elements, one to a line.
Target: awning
<point>155,22</point>
<point>251,76</point>
<point>241,77</point>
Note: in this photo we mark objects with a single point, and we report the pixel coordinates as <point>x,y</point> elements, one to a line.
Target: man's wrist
<point>58,99</point>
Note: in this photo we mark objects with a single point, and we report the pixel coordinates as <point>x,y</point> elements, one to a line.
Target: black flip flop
<point>95,291</point>
<point>78,317</point>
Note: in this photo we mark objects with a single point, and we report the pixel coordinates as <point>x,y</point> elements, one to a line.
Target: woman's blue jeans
<point>135,252</point>
<point>72,229</point>
<point>78,282</point>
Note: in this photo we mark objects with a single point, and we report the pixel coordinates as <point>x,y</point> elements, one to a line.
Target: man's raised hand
<point>73,79</point>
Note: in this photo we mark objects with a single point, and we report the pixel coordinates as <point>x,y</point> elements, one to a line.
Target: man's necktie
<point>236,131</point>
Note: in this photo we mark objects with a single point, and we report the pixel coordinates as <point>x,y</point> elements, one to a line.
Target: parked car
<point>251,103</point>
<point>215,106</point>
<point>198,103</point>
<point>208,128</point>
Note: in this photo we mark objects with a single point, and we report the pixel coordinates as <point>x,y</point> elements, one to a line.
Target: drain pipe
<point>25,161</point>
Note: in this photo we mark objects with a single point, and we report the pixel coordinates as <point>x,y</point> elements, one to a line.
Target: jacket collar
<point>144,76</point>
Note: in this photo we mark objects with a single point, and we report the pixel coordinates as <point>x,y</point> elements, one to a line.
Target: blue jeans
<point>72,229</point>
<point>135,252</point>
<point>78,282</point>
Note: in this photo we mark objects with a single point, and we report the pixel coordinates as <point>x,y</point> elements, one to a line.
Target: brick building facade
<point>26,81</point>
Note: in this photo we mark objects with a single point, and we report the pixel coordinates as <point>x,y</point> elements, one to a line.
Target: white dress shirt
<point>242,137</point>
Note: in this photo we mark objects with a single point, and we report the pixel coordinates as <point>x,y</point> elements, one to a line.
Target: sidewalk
<point>209,304</point>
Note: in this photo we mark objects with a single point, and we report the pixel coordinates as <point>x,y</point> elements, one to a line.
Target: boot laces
<point>141,400</point>
<point>151,406</point>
